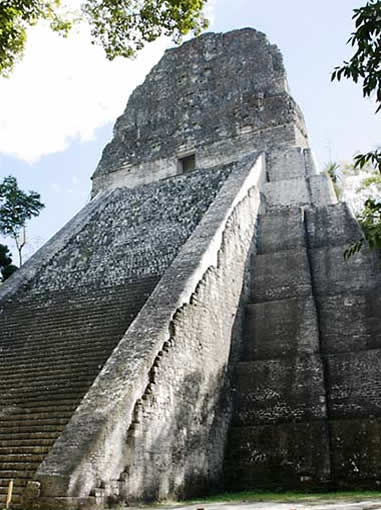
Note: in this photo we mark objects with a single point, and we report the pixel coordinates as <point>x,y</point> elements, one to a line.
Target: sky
<point>58,107</point>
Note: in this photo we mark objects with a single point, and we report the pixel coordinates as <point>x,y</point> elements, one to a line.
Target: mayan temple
<point>195,327</point>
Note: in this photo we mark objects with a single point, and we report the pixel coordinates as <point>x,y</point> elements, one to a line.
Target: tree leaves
<point>15,17</point>
<point>365,64</point>
<point>370,222</point>
<point>365,67</point>
<point>373,158</point>
<point>122,27</point>
<point>16,207</point>
<point>6,266</point>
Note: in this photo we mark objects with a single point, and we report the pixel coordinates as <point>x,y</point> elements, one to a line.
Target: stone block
<point>333,275</point>
<point>356,452</point>
<point>332,225</point>
<point>280,328</point>
<point>244,101</point>
<point>321,189</point>
<point>282,456</point>
<point>281,230</point>
<point>280,390</point>
<point>312,168</point>
<point>286,193</point>
<point>354,384</point>
<point>286,163</point>
<point>280,275</point>
<point>350,322</point>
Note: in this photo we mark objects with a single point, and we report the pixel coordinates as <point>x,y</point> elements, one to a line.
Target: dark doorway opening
<point>188,163</point>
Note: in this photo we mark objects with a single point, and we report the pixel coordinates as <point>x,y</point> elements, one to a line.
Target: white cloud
<point>210,11</point>
<point>64,89</point>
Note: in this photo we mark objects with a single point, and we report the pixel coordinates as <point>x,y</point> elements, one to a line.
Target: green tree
<point>332,170</point>
<point>362,188</point>
<point>364,66</point>
<point>122,27</point>
<point>16,207</point>
<point>370,222</point>
<point>15,17</point>
<point>6,266</point>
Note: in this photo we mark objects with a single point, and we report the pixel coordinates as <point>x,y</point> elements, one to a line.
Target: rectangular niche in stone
<point>187,163</point>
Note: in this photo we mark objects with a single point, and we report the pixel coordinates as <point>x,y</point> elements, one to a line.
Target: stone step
<point>39,405</point>
<point>45,377</point>
<point>13,465</point>
<point>45,380</point>
<point>54,316</point>
<point>16,500</point>
<point>9,443</point>
<point>20,362</point>
<point>24,428</point>
<point>253,456</point>
<point>33,410</point>
<point>275,329</point>
<point>49,384</point>
<point>96,300</point>
<point>20,475</point>
<point>59,357</point>
<point>53,395</point>
<point>34,418</point>
<point>22,457</point>
<point>18,488</point>
<point>282,390</point>
<point>331,225</point>
<point>280,275</point>
<point>62,344</point>
<point>29,438</point>
<point>54,322</point>
<point>281,230</point>
<point>55,356</point>
<point>66,305</point>
<point>16,450</point>
<point>32,423</point>
<point>60,330</point>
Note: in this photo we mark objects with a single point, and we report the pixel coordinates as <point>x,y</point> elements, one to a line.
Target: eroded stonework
<point>195,327</point>
<point>220,96</point>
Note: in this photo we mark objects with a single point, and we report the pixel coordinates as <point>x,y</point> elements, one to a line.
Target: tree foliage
<point>364,66</point>
<point>122,27</point>
<point>370,222</point>
<point>15,17</point>
<point>16,207</point>
<point>6,266</point>
<point>332,170</point>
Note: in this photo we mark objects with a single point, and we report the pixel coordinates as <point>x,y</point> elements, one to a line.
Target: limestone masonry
<point>195,327</point>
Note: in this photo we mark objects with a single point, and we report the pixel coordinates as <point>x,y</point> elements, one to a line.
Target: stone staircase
<point>52,348</point>
<point>281,401</point>
<point>59,326</point>
<point>306,389</point>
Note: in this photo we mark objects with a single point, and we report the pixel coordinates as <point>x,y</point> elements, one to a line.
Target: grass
<point>288,497</point>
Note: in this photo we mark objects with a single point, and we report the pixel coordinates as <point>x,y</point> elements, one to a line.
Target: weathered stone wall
<point>279,435</point>
<point>137,305</point>
<point>75,307</point>
<point>349,303</point>
<point>178,439</point>
<point>307,407</point>
<point>136,234</point>
<point>111,445</point>
<point>202,98</point>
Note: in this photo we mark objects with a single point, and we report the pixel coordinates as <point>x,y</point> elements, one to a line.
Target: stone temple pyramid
<point>195,327</point>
